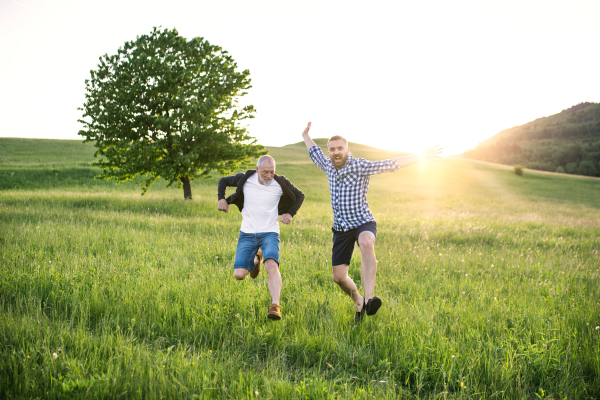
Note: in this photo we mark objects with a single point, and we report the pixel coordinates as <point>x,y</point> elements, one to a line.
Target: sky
<point>396,75</point>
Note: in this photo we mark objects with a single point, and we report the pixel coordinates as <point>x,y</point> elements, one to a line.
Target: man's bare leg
<point>368,267</point>
<point>240,273</point>
<point>340,276</point>
<point>274,279</point>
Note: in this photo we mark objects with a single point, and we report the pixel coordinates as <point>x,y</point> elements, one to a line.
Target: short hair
<point>337,137</point>
<point>262,159</point>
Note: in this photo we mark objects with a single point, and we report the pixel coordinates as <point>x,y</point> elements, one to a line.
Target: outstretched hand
<point>434,151</point>
<point>307,140</point>
<point>306,129</point>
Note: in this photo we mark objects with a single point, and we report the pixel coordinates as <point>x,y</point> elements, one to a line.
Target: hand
<point>223,206</point>
<point>305,133</point>
<point>434,151</point>
<point>286,218</point>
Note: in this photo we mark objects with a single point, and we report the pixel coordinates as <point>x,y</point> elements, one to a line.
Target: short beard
<point>343,160</point>
<point>263,182</point>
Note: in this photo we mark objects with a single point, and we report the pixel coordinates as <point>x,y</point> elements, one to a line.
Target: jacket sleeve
<point>299,197</point>
<point>227,181</point>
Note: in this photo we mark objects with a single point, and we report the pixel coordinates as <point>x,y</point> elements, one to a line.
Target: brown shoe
<point>254,273</point>
<point>274,312</point>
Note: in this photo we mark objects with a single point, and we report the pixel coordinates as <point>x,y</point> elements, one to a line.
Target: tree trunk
<point>187,188</point>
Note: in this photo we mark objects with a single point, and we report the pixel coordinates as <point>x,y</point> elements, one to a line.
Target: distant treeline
<point>565,142</point>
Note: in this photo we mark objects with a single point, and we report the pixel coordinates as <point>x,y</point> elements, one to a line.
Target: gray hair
<point>262,159</point>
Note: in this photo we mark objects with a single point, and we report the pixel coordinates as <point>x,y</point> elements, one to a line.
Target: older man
<point>261,195</point>
<point>352,221</point>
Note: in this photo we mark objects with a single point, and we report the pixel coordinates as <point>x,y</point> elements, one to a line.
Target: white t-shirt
<point>260,211</point>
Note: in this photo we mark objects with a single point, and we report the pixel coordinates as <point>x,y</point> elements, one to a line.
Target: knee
<point>240,274</point>
<point>367,243</point>
<point>338,277</point>
<point>271,265</point>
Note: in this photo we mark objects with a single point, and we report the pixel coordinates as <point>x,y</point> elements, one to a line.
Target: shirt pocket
<point>351,179</point>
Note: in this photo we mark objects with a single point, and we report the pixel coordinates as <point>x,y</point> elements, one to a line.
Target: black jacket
<point>289,203</point>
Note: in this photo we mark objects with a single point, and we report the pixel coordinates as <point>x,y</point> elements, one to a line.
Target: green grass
<point>490,283</point>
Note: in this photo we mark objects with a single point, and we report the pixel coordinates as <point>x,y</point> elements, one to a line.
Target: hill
<point>297,152</point>
<point>565,142</point>
<point>54,163</point>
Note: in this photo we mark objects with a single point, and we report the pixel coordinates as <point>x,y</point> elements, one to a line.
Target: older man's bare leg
<point>274,288</point>
<point>241,273</point>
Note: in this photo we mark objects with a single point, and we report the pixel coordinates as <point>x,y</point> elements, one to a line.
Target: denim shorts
<point>248,245</point>
<point>343,242</point>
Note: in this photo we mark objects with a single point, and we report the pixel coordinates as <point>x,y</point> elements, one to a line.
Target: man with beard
<point>352,221</point>
<point>261,196</point>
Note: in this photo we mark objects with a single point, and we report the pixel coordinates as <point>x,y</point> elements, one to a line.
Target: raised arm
<point>314,151</point>
<point>307,140</point>
<point>429,152</point>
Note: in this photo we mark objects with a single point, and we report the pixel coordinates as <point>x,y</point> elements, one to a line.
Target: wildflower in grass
<point>55,356</point>
<point>598,327</point>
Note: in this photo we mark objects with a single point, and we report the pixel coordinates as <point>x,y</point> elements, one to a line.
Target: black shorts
<point>343,242</point>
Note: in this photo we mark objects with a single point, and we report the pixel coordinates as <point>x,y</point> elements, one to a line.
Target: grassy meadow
<point>490,285</point>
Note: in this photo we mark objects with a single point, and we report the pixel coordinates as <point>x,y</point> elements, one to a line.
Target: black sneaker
<point>373,305</point>
<point>360,314</point>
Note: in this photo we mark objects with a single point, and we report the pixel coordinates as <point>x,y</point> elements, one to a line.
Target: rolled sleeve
<point>317,156</point>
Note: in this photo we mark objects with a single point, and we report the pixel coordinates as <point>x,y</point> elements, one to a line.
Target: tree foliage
<point>167,107</point>
<point>519,170</point>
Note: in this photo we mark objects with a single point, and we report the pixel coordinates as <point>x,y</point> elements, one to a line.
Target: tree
<point>587,168</point>
<point>571,167</point>
<point>167,107</point>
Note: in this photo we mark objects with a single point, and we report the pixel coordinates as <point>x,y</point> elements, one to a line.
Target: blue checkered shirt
<point>349,185</point>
